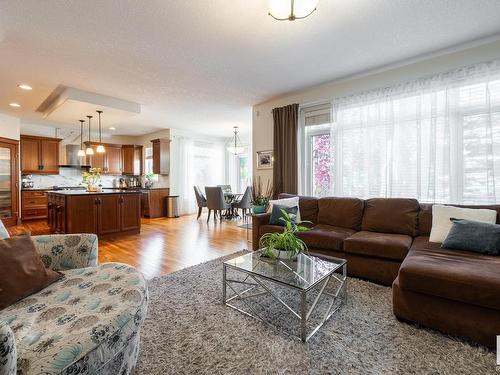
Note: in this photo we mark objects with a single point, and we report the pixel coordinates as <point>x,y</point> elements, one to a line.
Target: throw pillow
<point>474,236</point>
<point>441,216</point>
<point>286,202</point>
<point>21,270</point>
<point>277,214</point>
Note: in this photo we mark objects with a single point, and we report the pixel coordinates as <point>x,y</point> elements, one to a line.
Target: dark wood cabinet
<point>132,160</point>
<point>34,205</point>
<point>161,156</point>
<point>114,161</point>
<point>104,214</point>
<point>9,181</point>
<point>131,205</point>
<point>39,155</point>
<point>154,202</point>
<point>110,162</point>
<point>108,213</point>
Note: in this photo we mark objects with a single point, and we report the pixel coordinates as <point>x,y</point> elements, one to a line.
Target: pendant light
<point>291,10</point>
<point>100,148</point>
<point>81,151</point>
<point>89,150</point>
<point>236,148</point>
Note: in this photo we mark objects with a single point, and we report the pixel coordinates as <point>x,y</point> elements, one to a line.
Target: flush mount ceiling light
<point>15,105</point>
<point>236,148</point>
<point>24,86</point>
<point>89,150</point>
<point>100,148</point>
<point>81,151</point>
<point>291,10</point>
<point>112,128</point>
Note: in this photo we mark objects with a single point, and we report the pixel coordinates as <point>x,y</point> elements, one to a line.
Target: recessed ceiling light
<point>25,87</point>
<point>112,128</point>
<point>15,105</point>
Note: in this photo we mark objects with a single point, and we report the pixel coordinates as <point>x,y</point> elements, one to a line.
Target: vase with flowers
<point>92,178</point>
<point>261,196</point>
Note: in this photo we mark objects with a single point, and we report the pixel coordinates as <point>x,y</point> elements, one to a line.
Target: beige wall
<point>262,120</point>
<point>10,127</point>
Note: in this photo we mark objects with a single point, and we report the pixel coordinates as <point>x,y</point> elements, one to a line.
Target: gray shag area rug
<point>189,331</point>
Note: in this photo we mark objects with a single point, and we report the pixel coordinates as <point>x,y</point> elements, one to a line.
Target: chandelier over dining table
<point>291,10</point>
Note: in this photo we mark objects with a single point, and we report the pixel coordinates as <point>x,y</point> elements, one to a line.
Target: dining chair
<point>200,199</point>
<point>226,189</point>
<point>215,201</point>
<point>245,202</point>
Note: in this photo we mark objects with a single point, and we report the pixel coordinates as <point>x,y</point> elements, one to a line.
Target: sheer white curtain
<point>436,139</point>
<point>181,164</point>
<point>194,162</point>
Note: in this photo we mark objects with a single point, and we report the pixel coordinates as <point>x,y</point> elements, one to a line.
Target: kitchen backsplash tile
<point>73,177</point>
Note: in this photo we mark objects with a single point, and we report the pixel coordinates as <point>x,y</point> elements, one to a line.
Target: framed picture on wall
<point>265,159</point>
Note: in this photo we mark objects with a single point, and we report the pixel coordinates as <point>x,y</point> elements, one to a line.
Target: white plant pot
<point>283,254</point>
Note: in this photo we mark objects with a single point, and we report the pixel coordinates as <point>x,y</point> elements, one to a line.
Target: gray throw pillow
<point>473,236</point>
<point>277,214</point>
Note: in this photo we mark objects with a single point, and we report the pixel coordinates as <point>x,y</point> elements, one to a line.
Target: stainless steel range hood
<point>72,158</point>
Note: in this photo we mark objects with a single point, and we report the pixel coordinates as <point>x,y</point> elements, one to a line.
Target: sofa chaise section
<point>454,291</point>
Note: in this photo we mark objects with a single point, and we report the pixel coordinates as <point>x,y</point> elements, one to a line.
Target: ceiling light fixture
<point>89,150</point>
<point>15,105</point>
<point>100,148</point>
<point>112,128</point>
<point>291,10</point>
<point>24,86</point>
<point>236,147</point>
<point>81,151</point>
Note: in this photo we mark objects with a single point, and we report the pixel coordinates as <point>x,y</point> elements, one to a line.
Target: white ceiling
<point>202,64</point>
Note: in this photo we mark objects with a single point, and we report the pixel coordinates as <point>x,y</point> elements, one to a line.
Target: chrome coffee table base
<point>256,287</point>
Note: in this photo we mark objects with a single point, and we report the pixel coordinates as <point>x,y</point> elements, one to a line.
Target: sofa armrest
<point>257,221</point>
<point>61,252</point>
<point>8,354</point>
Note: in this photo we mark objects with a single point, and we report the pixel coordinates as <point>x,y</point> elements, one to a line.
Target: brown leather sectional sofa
<point>387,241</point>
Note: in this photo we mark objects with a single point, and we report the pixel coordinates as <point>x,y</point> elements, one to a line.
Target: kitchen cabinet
<point>34,205</point>
<point>153,202</point>
<point>39,155</point>
<point>161,156</point>
<point>132,160</point>
<point>9,182</point>
<point>110,162</point>
<point>105,214</point>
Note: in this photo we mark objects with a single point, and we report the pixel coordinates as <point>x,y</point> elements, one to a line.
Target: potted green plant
<point>284,245</point>
<point>92,178</point>
<point>260,196</point>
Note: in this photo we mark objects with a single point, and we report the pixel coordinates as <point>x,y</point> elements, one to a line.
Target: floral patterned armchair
<point>87,322</point>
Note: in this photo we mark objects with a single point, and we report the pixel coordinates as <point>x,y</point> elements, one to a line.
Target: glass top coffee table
<point>311,280</point>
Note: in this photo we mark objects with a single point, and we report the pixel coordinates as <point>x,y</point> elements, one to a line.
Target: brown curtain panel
<point>286,125</point>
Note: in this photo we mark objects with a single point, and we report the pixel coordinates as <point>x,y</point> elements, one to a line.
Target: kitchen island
<point>106,213</point>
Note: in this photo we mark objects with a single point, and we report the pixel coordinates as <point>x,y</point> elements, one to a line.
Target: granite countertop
<point>84,192</point>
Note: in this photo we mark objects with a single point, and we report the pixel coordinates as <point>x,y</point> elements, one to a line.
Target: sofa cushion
<point>425,216</point>
<point>341,212</point>
<point>79,322</point>
<point>21,270</point>
<point>325,237</point>
<point>442,215</point>
<point>381,245</point>
<point>308,207</point>
<point>454,274</point>
<point>391,215</point>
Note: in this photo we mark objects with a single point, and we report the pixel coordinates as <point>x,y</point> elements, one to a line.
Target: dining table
<point>230,197</point>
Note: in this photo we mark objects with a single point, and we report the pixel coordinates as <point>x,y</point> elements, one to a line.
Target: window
<point>436,139</point>
<point>148,162</point>
<point>243,173</point>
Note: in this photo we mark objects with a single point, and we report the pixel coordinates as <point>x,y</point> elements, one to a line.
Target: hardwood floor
<point>164,245</point>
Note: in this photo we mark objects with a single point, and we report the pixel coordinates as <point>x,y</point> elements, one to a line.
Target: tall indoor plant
<point>261,196</point>
<point>285,244</point>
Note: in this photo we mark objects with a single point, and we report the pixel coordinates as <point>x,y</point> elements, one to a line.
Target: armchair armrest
<point>8,354</point>
<point>257,221</point>
<point>61,252</point>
